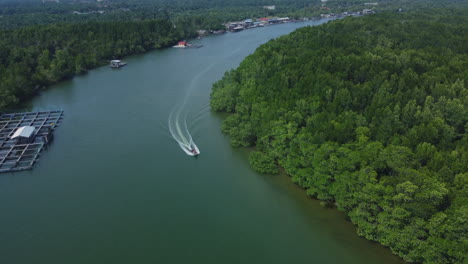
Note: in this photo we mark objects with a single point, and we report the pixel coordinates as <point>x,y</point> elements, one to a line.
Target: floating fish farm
<point>23,136</point>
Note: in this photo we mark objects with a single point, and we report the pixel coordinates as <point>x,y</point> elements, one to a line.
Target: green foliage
<point>35,57</point>
<point>207,14</point>
<point>15,14</point>
<point>227,91</point>
<point>369,114</point>
<point>263,163</point>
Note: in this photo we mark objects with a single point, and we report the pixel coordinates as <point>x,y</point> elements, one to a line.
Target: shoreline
<point>193,36</point>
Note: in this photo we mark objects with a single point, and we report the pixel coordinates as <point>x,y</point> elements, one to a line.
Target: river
<point>115,187</point>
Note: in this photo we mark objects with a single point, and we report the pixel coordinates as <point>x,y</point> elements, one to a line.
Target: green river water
<point>115,187</point>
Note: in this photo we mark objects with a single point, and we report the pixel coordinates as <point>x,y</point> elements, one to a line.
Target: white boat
<point>117,63</point>
<point>192,150</point>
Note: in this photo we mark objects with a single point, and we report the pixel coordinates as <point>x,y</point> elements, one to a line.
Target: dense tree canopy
<point>42,43</point>
<point>35,57</point>
<point>14,13</point>
<point>370,115</point>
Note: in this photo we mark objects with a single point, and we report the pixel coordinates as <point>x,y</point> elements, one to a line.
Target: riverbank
<point>327,104</point>
<point>105,192</point>
<point>249,23</point>
<point>37,57</point>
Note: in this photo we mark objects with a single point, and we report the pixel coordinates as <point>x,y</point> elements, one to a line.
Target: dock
<point>185,45</point>
<point>117,63</point>
<point>23,136</point>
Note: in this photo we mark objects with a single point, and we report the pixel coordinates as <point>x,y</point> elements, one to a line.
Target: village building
<point>248,22</point>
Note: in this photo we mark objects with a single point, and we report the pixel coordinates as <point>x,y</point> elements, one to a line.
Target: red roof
<point>263,19</point>
<point>182,42</point>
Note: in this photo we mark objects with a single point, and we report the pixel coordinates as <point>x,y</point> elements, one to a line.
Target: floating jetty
<point>185,45</point>
<point>23,136</point>
<point>117,63</point>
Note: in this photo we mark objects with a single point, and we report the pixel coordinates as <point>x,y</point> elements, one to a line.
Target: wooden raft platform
<point>16,156</point>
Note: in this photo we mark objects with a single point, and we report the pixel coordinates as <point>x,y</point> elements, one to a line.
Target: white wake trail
<point>178,120</point>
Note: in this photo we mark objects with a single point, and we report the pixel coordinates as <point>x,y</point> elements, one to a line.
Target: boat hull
<point>189,151</point>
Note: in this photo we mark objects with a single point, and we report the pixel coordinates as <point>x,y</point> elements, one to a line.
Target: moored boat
<point>181,44</point>
<point>117,63</point>
<point>184,45</point>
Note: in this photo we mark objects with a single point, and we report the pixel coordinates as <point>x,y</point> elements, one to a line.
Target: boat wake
<point>179,131</point>
<point>180,115</point>
<point>178,120</point>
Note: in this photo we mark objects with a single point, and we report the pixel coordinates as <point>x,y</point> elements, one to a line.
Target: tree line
<point>369,115</point>
<point>32,58</point>
<point>44,43</point>
<point>15,14</point>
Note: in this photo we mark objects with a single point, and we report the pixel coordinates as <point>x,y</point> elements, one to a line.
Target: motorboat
<point>191,150</point>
